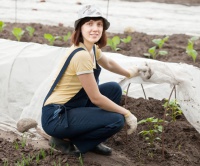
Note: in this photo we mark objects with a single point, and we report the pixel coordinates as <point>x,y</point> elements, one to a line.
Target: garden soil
<point>179,144</point>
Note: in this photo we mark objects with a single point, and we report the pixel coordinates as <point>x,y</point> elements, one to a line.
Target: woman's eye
<point>100,24</point>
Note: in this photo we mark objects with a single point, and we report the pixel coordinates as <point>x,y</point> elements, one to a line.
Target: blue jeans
<point>87,126</point>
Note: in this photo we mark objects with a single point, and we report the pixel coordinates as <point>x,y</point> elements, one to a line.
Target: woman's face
<point>92,31</point>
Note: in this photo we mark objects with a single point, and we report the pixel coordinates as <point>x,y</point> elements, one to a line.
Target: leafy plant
<point>30,30</point>
<point>51,39</point>
<point>160,42</point>
<point>190,48</point>
<point>127,39</point>
<point>66,37</point>
<point>113,43</point>
<point>153,129</point>
<point>18,33</point>
<point>2,26</point>
<point>152,52</point>
<point>174,107</point>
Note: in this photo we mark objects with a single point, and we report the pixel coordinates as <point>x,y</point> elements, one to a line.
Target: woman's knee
<point>118,121</point>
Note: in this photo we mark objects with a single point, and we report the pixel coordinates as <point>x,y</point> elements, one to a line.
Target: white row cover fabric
<point>27,69</point>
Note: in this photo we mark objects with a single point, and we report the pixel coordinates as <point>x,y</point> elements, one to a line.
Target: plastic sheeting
<point>27,69</point>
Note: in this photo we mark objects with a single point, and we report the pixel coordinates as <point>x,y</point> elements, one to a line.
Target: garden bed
<point>181,140</point>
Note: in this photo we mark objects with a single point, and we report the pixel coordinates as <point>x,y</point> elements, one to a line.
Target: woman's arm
<point>112,66</point>
<point>91,88</point>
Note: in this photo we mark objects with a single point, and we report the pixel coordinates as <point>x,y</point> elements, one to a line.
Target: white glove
<point>131,121</point>
<point>145,72</point>
<point>133,72</point>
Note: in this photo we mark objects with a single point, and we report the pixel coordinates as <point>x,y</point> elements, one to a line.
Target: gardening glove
<point>131,121</point>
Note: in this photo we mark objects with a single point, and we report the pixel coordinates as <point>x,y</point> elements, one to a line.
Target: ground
<point>179,144</point>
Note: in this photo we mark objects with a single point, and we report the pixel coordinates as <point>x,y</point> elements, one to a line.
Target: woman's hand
<point>131,121</point>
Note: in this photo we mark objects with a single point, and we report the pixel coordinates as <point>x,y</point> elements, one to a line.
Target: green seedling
<point>81,160</point>
<point>37,158</point>
<point>16,145</point>
<point>153,129</point>
<point>18,33</point>
<point>153,53</point>
<point>23,141</point>
<point>42,152</point>
<point>5,162</point>
<point>160,42</point>
<point>127,39</point>
<point>174,107</point>
<point>30,30</point>
<point>113,43</point>
<point>190,48</point>
<point>51,39</point>
<point>66,37</point>
<point>2,26</point>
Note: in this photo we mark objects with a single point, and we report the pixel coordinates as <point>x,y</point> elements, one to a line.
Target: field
<point>181,145</point>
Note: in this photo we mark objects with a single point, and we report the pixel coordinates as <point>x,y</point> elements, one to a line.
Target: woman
<point>78,111</point>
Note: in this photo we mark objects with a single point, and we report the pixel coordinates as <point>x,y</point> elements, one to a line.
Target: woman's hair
<point>77,35</point>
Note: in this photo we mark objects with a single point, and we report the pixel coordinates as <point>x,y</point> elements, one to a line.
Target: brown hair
<point>77,37</point>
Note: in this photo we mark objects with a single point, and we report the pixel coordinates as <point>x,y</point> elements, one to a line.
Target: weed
<point>2,26</point>
<point>81,160</point>
<point>18,33</point>
<point>5,162</point>
<point>190,48</point>
<point>42,152</point>
<point>37,158</point>
<point>23,141</point>
<point>16,145</point>
<point>30,30</point>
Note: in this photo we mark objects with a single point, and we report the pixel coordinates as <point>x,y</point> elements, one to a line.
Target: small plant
<point>154,128</point>
<point>16,145</point>
<point>113,43</point>
<point>66,37</point>
<point>152,52</point>
<point>23,141</point>
<point>43,154</point>
<point>174,107</point>
<point>2,26</point>
<point>51,38</point>
<point>190,48</point>
<point>81,160</point>
<point>18,33</point>
<point>5,162</point>
<point>30,30</point>
<point>37,158</point>
<point>127,39</point>
<point>160,42</point>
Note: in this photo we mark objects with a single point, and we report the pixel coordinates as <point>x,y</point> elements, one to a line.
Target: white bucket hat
<point>90,11</point>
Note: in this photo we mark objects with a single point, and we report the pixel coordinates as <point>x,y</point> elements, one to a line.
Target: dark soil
<point>181,142</point>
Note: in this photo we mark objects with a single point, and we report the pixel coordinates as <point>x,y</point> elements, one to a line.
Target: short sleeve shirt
<point>83,62</point>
